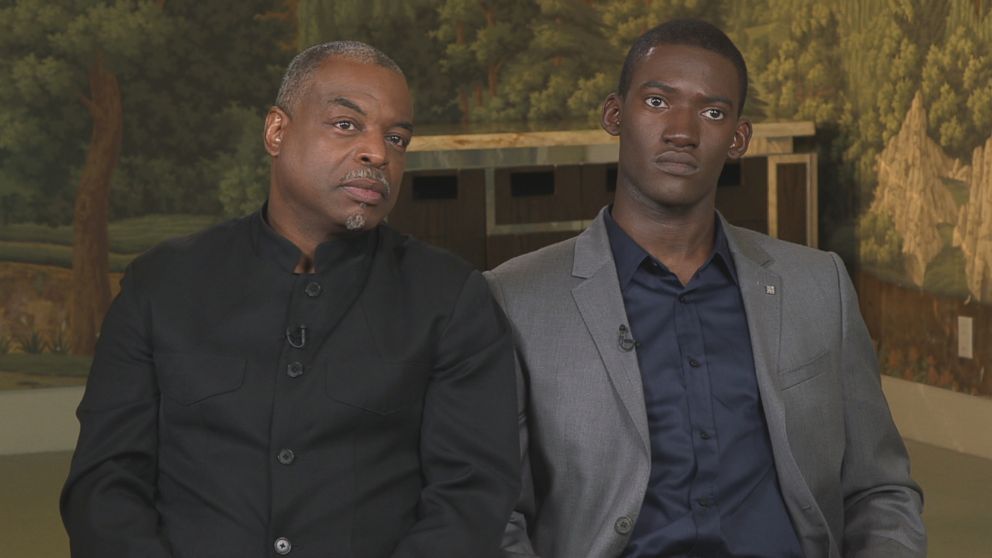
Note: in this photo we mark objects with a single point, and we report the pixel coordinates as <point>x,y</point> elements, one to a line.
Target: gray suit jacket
<point>841,464</point>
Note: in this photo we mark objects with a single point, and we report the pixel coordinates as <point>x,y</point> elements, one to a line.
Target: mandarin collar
<point>272,246</point>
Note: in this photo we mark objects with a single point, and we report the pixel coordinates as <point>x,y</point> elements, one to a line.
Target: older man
<point>303,381</point>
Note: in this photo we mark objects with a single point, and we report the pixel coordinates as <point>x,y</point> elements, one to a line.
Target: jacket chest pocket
<point>376,386</point>
<point>191,378</point>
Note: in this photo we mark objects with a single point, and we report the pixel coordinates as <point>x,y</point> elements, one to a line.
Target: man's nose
<point>681,128</point>
<point>373,151</point>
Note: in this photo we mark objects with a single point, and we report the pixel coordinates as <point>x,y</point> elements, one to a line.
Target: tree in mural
<point>570,63</point>
<point>957,88</point>
<point>628,19</point>
<point>150,72</point>
<point>73,56</point>
<point>800,80</point>
<point>401,30</point>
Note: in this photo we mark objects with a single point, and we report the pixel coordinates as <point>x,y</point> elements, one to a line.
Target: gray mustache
<point>368,173</point>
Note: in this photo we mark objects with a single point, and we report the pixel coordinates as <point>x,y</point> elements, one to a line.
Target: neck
<point>680,238</point>
<point>296,230</point>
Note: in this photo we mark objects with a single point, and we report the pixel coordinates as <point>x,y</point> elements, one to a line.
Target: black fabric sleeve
<point>469,446</point>
<point>108,502</point>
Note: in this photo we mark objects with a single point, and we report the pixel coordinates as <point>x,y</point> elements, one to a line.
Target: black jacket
<point>236,409</point>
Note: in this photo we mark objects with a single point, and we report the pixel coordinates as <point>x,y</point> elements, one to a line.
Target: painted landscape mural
<point>126,122</point>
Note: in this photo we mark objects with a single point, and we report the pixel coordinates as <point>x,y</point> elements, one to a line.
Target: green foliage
<point>31,342</point>
<point>397,28</point>
<point>881,245</point>
<point>178,67</point>
<point>243,170</point>
<point>6,344</point>
<point>957,89</point>
<point>58,343</point>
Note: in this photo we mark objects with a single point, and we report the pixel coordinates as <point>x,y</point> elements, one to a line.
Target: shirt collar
<point>628,255</point>
<point>270,245</point>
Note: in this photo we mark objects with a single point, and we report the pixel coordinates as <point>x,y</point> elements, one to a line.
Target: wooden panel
<point>745,205</point>
<point>564,204</point>
<point>457,224</point>
<point>598,183</point>
<point>792,208</point>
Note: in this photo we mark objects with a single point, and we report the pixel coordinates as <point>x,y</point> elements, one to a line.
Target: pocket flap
<point>377,386</point>
<point>189,378</point>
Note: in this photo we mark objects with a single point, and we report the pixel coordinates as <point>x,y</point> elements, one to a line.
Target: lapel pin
<point>770,289</point>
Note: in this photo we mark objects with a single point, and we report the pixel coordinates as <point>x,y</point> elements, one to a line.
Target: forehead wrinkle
<point>347,103</point>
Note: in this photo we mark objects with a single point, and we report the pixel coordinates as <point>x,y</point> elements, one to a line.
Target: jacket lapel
<point>600,303</point>
<point>761,290</point>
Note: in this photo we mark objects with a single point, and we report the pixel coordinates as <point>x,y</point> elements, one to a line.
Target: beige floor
<point>958,511</point>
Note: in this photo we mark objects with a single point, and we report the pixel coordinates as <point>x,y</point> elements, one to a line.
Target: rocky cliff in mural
<point>973,233</point>
<point>911,173</point>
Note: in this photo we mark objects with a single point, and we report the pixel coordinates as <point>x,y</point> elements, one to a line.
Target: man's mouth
<point>366,185</point>
<point>677,163</point>
<point>365,191</point>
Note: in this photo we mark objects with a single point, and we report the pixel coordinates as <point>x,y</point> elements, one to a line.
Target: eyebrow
<point>669,89</point>
<point>349,104</point>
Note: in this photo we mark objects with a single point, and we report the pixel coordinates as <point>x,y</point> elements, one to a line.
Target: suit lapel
<point>761,290</point>
<point>600,303</point>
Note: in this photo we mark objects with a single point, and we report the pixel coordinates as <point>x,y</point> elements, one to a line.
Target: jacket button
<point>286,456</point>
<point>623,525</point>
<point>282,546</point>
<point>294,370</point>
<point>313,289</point>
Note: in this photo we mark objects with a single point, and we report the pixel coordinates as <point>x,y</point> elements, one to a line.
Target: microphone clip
<point>625,341</point>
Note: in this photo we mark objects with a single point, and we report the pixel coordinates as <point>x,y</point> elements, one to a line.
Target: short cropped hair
<point>300,71</point>
<point>685,32</point>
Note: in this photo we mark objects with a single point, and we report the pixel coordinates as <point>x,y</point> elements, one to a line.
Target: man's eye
<point>397,140</point>
<point>713,114</point>
<point>346,125</point>
<point>655,102</point>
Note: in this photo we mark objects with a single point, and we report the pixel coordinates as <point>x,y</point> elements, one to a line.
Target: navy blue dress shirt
<point>713,489</point>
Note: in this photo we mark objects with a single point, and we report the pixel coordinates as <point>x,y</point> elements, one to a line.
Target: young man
<point>304,381</point>
<point>690,388</point>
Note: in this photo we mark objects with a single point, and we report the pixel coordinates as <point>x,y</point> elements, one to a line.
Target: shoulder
<point>787,257</point>
<point>185,254</point>
<point>414,257</point>
<point>549,264</point>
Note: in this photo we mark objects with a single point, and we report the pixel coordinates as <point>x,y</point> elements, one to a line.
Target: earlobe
<point>275,127</point>
<point>611,118</point>
<point>741,140</point>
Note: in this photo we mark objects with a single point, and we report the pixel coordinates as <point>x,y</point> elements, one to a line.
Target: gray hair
<point>300,70</point>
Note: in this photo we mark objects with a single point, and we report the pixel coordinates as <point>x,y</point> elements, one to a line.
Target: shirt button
<point>684,299</point>
<point>705,502</point>
<point>313,289</point>
<point>704,435</point>
<point>295,369</point>
<point>286,456</point>
<point>282,546</point>
<point>623,525</point>
<point>694,363</point>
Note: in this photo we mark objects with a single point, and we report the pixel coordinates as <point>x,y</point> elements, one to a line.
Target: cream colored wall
<point>35,420</point>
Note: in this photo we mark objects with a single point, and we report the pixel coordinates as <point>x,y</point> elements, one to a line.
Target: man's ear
<point>276,122</point>
<point>610,120</point>
<point>742,138</point>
